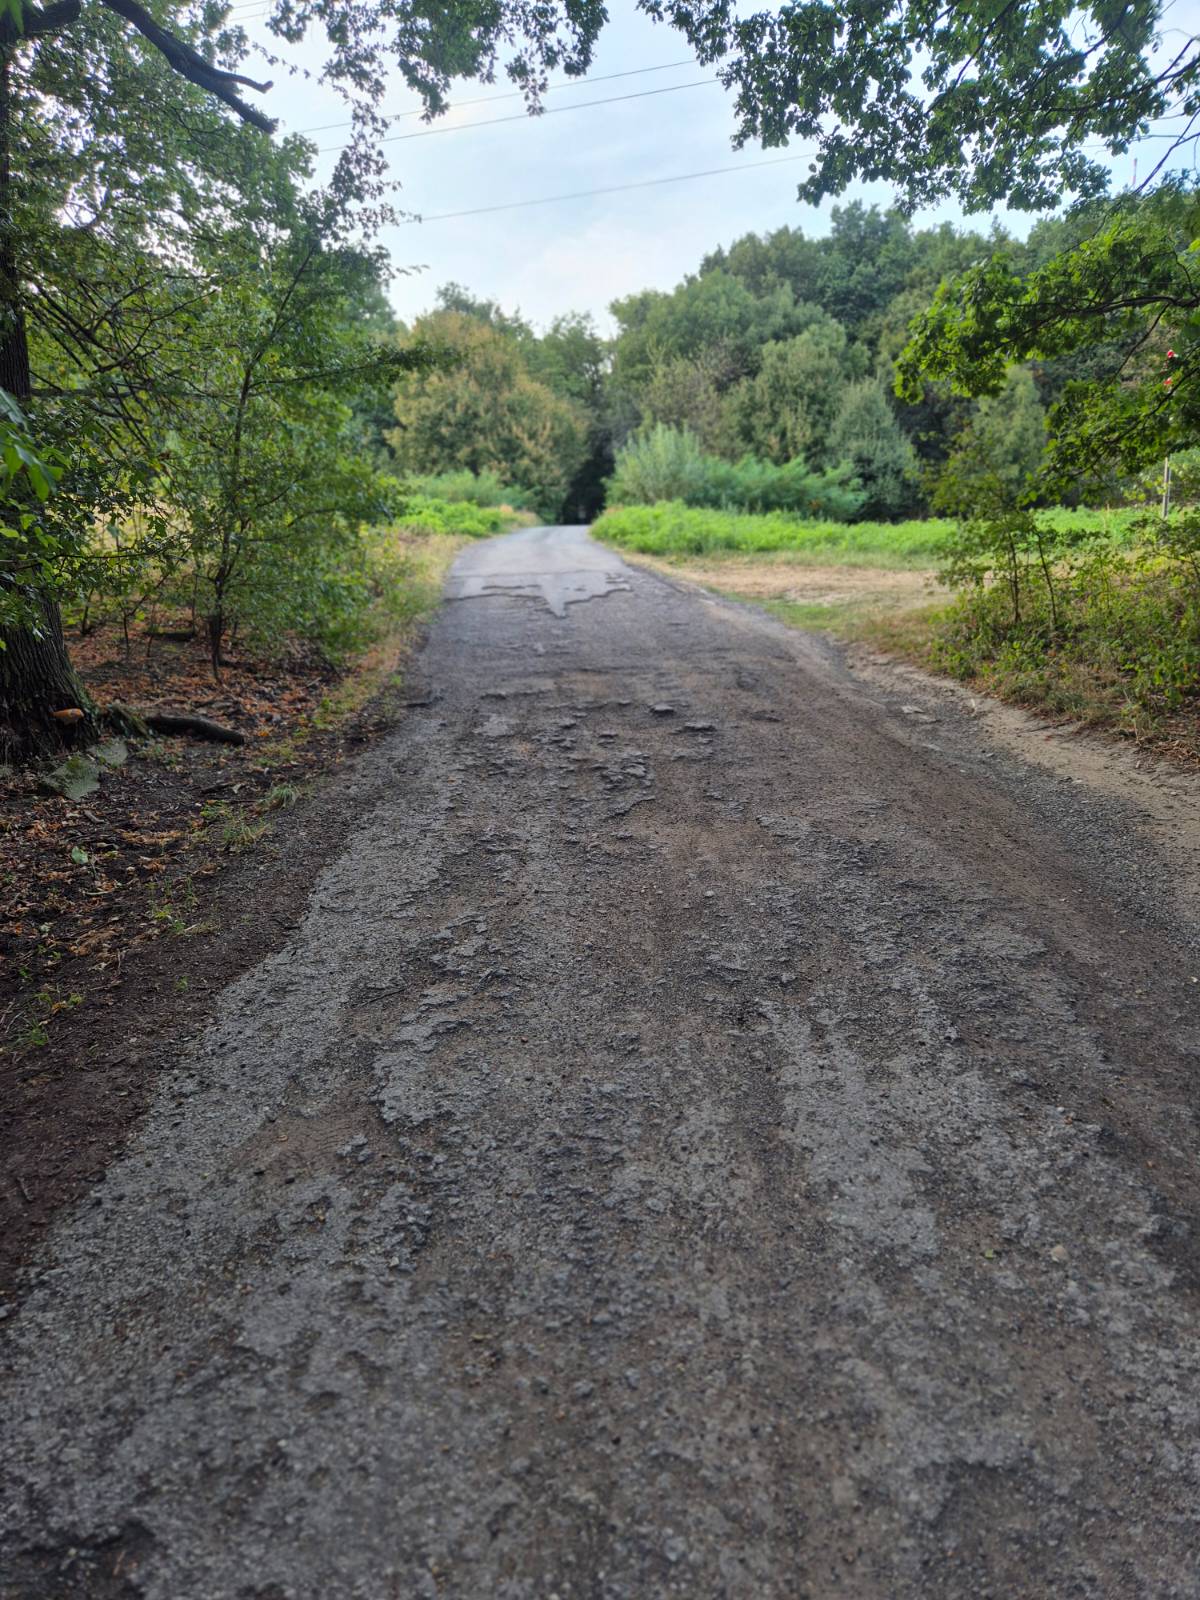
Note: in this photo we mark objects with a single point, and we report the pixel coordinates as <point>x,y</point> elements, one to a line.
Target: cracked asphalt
<point>722,1128</point>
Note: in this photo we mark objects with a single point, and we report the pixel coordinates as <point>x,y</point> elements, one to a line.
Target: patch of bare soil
<point>123,912</point>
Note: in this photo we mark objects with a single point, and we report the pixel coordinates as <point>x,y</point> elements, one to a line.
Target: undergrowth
<point>673,529</point>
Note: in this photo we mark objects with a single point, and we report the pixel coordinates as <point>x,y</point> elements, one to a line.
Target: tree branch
<point>190,64</point>
<point>37,20</point>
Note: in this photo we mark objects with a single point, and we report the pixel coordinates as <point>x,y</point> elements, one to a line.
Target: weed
<point>168,918</point>
<point>42,1008</point>
<point>240,833</point>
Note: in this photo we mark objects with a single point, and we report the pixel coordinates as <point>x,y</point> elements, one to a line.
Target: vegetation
<point>482,411</point>
<point>1105,635</point>
<point>206,405</point>
<point>459,518</point>
<point>673,529</point>
<point>475,488</point>
<point>663,463</point>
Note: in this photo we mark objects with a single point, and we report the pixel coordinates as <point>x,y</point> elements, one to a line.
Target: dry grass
<point>840,599</point>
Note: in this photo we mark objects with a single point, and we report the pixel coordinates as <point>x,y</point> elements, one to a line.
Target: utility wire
<point>516,94</point>
<point>616,188</point>
<point>523,116</point>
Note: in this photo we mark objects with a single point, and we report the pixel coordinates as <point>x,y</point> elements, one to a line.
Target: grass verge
<point>674,531</point>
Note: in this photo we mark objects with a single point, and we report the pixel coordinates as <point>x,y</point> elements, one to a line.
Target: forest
<point>212,422</point>
<point>766,380</point>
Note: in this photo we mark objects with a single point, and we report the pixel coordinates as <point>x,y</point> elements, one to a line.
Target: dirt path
<point>724,1127</point>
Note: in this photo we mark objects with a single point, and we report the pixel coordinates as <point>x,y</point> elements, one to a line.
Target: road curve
<point>720,1131</point>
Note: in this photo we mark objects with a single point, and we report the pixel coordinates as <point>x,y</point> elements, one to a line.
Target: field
<point>672,530</point>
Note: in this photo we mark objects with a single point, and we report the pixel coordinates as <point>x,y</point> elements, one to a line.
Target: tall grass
<point>678,530</point>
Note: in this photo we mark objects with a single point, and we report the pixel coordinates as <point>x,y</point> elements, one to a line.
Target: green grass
<point>673,529</point>
<point>425,514</point>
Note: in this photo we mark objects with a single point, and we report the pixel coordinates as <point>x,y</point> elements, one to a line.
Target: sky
<point>579,254</point>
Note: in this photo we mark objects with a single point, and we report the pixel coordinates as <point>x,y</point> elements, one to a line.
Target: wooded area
<point>207,400</point>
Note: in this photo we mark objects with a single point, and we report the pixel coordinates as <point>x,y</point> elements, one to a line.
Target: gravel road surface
<point>722,1129</point>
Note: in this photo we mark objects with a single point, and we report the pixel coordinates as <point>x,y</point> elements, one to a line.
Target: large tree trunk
<point>36,675</point>
<point>37,680</point>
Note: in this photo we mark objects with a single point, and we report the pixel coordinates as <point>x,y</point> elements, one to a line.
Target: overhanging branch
<point>37,20</point>
<point>190,64</point>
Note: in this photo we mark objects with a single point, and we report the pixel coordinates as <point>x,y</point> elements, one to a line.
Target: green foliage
<point>664,463</point>
<point>970,101</point>
<point>29,475</point>
<point>1121,303</point>
<point>1117,636</point>
<point>690,393</point>
<point>476,488</point>
<point>787,409</point>
<point>713,313</point>
<point>205,345</point>
<point>997,457</point>
<point>981,103</point>
<point>265,468</point>
<point>424,514</point>
<point>866,435</point>
<point>22,465</point>
<point>756,352</point>
<point>673,529</point>
<point>481,411</point>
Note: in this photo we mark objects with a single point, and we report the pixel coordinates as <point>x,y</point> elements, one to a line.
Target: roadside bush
<point>664,464</point>
<point>475,488</point>
<point>1104,627</point>
<point>424,514</point>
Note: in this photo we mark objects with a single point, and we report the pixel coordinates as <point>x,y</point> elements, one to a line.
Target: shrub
<point>1105,625</point>
<point>665,464</point>
<point>424,514</point>
<point>475,488</point>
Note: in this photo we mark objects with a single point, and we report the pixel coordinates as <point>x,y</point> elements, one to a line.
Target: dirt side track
<point>721,1129</point>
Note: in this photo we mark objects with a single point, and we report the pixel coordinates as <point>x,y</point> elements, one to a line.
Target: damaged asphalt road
<point>715,1133</point>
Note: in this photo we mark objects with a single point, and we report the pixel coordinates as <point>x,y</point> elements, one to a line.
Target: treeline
<point>764,381</point>
<point>205,400</point>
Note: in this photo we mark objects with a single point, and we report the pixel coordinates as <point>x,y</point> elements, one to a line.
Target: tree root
<point>128,720</point>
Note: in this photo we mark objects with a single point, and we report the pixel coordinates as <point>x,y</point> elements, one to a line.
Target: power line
<point>523,116</point>
<point>516,94</point>
<point>616,188</point>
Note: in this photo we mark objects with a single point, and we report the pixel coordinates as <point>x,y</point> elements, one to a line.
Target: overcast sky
<point>580,254</point>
